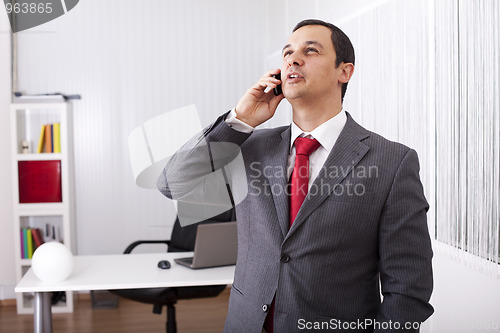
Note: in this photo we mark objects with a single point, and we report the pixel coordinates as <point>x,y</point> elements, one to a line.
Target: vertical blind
<point>389,91</point>
<point>467,35</point>
<point>427,75</point>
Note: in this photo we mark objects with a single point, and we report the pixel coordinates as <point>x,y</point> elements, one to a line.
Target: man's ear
<point>347,69</point>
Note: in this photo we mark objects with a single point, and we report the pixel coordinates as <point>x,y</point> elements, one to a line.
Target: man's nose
<point>294,60</point>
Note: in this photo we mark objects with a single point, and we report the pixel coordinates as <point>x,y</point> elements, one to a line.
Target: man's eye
<point>287,53</point>
<point>310,49</point>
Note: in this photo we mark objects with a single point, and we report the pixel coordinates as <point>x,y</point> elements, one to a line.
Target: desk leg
<point>42,313</point>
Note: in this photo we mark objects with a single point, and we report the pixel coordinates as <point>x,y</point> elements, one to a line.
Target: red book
<point>37,237</point>
<point>39,181</point>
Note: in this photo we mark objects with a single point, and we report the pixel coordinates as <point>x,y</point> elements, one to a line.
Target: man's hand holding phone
<point>259,103</point>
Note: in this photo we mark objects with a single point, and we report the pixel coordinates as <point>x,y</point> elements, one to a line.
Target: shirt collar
<point>326,133</point>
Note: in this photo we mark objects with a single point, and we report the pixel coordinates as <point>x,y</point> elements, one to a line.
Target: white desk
<point>103,272</point>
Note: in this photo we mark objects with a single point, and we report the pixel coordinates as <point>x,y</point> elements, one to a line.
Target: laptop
<point>216,244</point>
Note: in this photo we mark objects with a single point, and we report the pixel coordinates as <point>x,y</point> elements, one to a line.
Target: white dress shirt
<point>326,134</point>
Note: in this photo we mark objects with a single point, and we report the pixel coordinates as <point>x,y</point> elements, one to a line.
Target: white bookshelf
<point>27,119</point>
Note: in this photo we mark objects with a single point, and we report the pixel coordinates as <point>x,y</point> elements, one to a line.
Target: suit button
<point>265,307</point>
<point>285,258</point>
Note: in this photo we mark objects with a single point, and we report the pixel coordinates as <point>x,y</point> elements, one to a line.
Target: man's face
<point>308,69</point>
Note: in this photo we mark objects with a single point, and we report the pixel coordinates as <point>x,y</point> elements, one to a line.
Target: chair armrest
<point>134,244</point>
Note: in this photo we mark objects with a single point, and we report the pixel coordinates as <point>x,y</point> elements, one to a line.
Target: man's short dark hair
<point>341,44</point>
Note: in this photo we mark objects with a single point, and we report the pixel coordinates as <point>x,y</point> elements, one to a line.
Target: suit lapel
<point>276,159</point>
<point>345,155</point>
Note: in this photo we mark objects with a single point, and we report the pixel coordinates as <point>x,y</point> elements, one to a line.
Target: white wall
<point>285,14</point>
<point>7,276</point>
<point>131,61</point>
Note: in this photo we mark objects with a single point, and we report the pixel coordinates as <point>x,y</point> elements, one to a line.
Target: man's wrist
<point>238,124</point>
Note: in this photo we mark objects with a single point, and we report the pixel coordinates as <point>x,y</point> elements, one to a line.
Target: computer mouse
<point>164,264</point>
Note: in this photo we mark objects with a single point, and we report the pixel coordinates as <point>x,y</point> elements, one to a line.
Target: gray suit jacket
<point>362,223</point>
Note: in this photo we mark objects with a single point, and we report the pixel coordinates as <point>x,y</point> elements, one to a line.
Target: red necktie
<point>299,184</point>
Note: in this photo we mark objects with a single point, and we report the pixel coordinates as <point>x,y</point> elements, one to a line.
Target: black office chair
<point>181,240</point>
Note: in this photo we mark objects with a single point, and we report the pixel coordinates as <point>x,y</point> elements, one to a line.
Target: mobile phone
<point>277,90</point>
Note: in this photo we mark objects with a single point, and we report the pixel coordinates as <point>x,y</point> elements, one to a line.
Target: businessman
<point>332,215</point>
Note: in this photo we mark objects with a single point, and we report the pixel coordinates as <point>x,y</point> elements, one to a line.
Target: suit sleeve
<point>207,170</point>
<point>405,251</point>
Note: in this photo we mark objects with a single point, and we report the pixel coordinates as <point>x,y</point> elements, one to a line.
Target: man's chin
<point>293,94</point>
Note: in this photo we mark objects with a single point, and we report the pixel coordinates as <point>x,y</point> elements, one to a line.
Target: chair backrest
<point>183,238</point>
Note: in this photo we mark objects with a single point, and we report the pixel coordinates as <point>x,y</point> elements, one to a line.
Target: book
<point>48,139</point>
<point>40,140</point>
<point>25,243</point>
<point>51,138</point>
<point>37,237</point>
<point>22,244</point>
<point>57,137</point>
<point>29,239</point>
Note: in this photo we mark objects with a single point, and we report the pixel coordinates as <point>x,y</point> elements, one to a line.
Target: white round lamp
<point>52,262</point>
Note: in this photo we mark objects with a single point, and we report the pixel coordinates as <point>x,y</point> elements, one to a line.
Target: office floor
<point>200,315</point>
